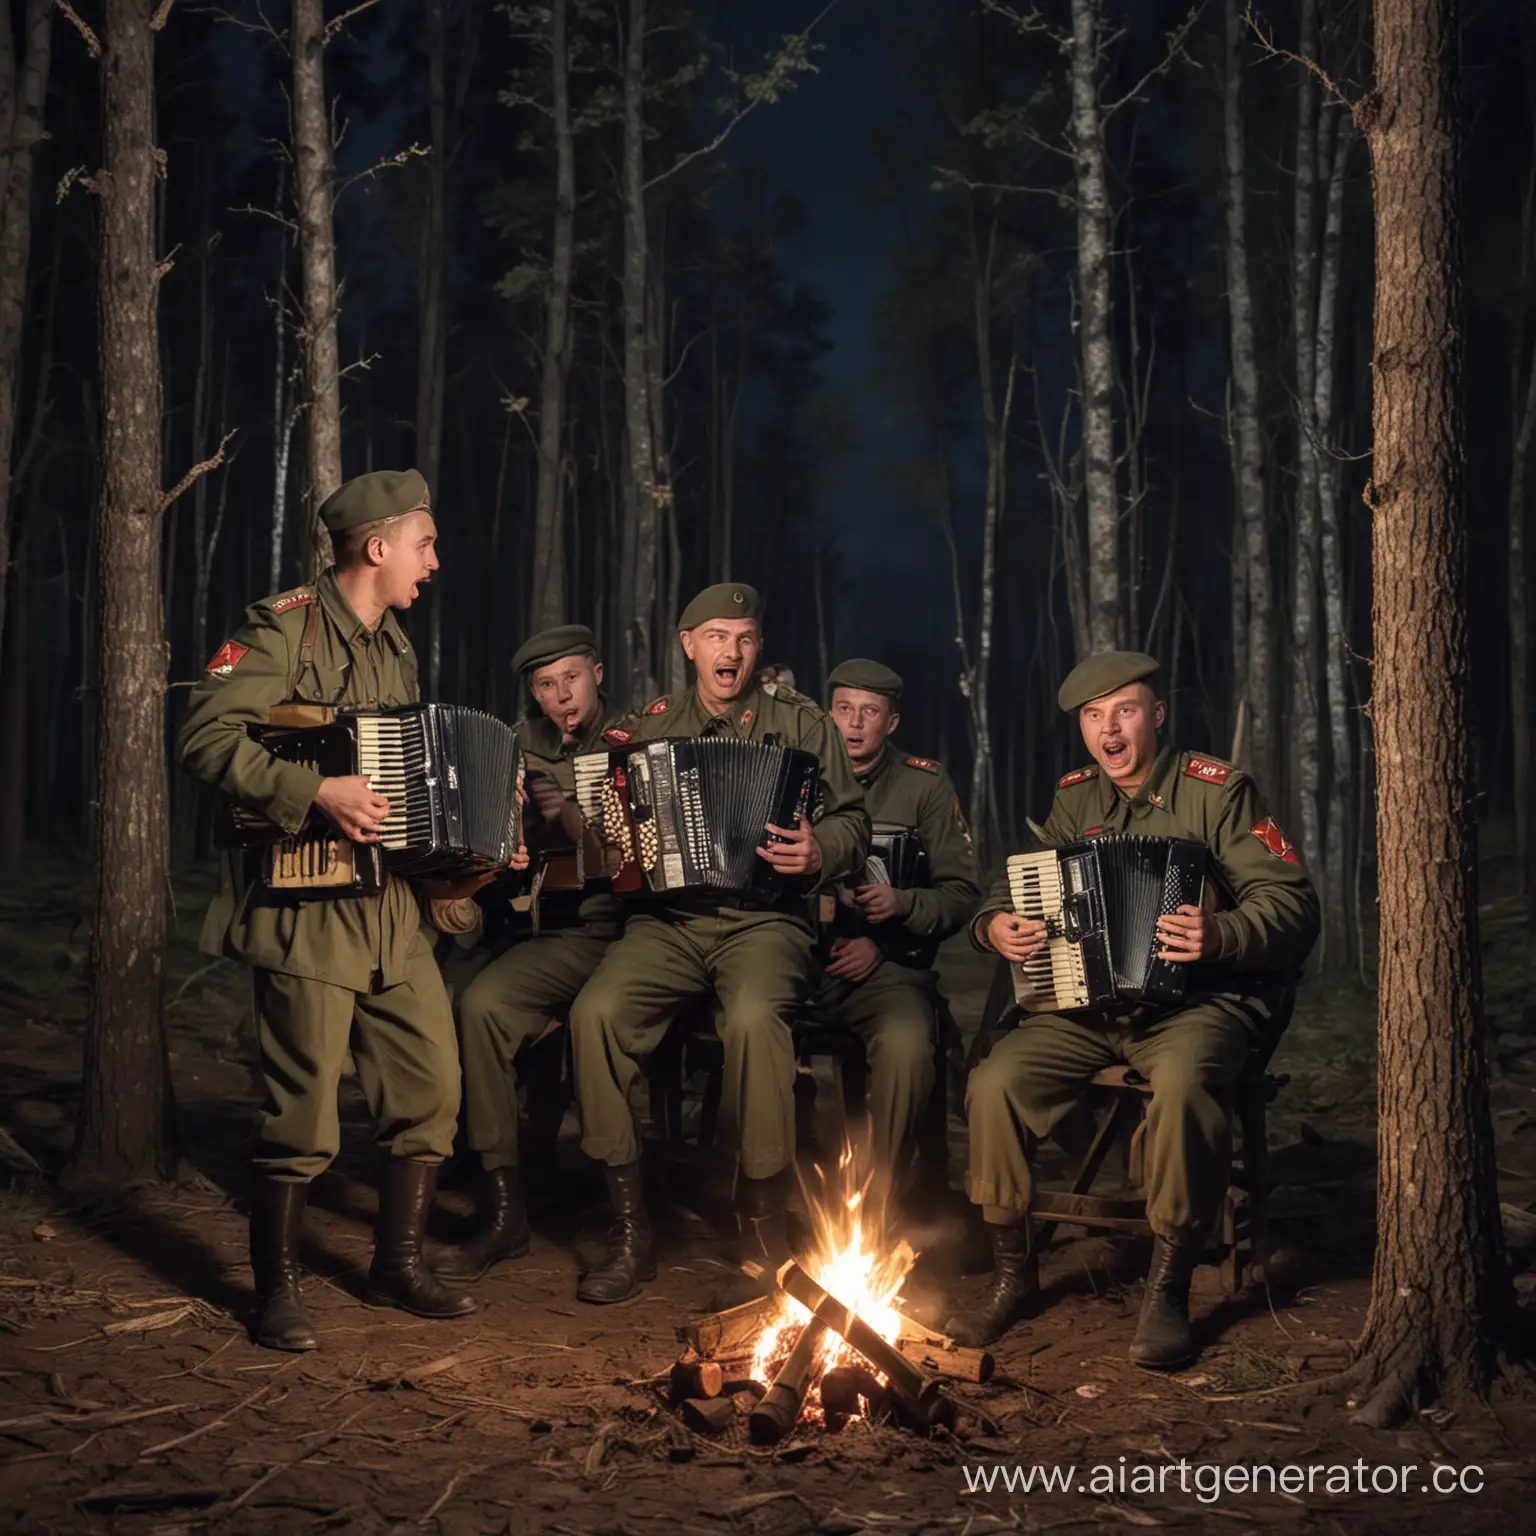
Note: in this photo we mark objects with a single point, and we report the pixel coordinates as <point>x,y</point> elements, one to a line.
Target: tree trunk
<point>1252,584</point>
<point>431,349</point>
<point>640,485</point>
<point>1095,339</point>
<point>125,1130</point>
<point>23,88</point>
<point>1440,1289</point>
<point>549,583</point>
<point>283,411</point>
<point>317,261</point>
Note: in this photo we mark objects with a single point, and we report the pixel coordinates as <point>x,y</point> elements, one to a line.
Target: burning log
<point>779,1410</point>
<point>696,1378</point>
<point>943,1357</point>
<point>922,1397</point>
<point>726,1335</point>
<point>841,1390</point>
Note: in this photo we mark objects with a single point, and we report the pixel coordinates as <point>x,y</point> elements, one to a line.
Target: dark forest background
<point>920,473</point>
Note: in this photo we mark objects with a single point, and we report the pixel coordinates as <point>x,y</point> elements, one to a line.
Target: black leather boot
<point>277,1214</point>
<point>399,1276</point>
<point>1014,1293</point>
<point>505,1234</point>
<point>1163,1339</point>
<point>631,1257</point>
<point>764,1227</point>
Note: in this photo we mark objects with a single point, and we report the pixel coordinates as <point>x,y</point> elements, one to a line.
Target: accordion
<point>895,858</point>
<point>1100,900</point>
<point>451,777</point>
<point>686,815</point>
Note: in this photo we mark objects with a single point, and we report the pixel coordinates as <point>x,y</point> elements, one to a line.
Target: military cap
<point>724,600</point>
<point>372,498</point>
<point>871,676</point>
<point>1102,674</point>
<point>551,644</point>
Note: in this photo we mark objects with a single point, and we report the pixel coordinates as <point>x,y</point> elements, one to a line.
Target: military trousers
<point>402,1042</point>
<point>757,963</point>
<point>1037,1071</point>
<point>893,1011</point>
<point>510,1004</point>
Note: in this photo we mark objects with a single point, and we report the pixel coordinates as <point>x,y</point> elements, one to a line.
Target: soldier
<point>756,961</point>
<point>513,1000</point>
<point>879,978</point>
<point>351,971</point>
<point>1190,1054</point>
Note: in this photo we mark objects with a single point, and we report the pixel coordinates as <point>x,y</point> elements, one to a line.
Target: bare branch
<point>1029,22</point>
<point>955,179</point>
<point>263,28</point>
<point>335,26</point>
<point>162,15</point>
<point>1266,41</point>
<point>92,42</point>
<point>358,365</point>
<point>196,472</point>
<point>389,162</point>
<point>76,173</point>
<point>267,213</point>
<point>1173,52</point>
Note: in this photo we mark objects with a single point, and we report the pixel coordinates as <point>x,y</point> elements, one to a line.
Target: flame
<point>850,1258</point>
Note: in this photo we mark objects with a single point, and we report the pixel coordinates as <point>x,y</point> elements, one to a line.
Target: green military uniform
<point>512,1001</point>
<point>757,961</point>
<point>1192,1055</point>
<point>332,975</point>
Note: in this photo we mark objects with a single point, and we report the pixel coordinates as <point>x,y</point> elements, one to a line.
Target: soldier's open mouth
<point>1115,753</point>
<point>727,674</point>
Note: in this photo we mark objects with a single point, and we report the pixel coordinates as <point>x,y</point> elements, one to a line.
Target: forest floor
<point>131,1398</point>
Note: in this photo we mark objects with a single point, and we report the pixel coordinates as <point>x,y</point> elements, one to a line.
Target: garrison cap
<point>871,676</point>
<point>1102,674</point>
<point>551,644</point>
<point>724,600</point>
<point>373,498</point>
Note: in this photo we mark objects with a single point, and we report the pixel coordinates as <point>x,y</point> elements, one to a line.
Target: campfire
<point>829,1343</point>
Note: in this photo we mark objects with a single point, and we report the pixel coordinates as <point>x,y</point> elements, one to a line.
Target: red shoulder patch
<point>301,598</point>
<point>657,707</point>
<point>1207,770</point>
<point>617,736</point>
<point>1077,776</point>
<point>1092,831</point>
<point>927,764</point>
<point>226,659</point>
<point>1275,840</point>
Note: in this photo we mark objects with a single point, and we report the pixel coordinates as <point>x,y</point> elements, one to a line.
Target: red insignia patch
<point>1092,831</point>
<point>927,764</point>
<point>1207,770</point>
<point>300,599</point>
<point>657,707</point>
<point>746,717</point>
<point>1275,840</point>
<point>617,736</point>
<point>965,831</point>
<point>1077,776</point>
<point>227,659</point>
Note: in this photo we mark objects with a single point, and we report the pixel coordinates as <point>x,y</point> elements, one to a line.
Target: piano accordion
<point>1100,900</point>
<point>451,777</point>
<point>686,815</point>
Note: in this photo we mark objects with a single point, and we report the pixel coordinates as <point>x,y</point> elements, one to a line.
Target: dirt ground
<point>131,1398</point>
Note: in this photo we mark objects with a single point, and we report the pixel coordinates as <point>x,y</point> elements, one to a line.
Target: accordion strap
<point>307,643</point>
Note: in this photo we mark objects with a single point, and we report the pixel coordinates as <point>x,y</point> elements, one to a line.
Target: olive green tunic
<point>757,961</point>
<point>322,966</point>
<point>1191,1055</point>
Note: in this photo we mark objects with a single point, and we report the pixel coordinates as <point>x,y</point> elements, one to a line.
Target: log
<point>779,1411</point>
<point>943,1357</point>
<point>729,1333</point>
<point>921,1395</point>
<point>841,1389</point>
<point>696,1378</point>
<point>708,1415</point>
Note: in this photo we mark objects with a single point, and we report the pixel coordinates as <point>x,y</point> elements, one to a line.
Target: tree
<point>125,1131</point>
<point>1440,1290</point>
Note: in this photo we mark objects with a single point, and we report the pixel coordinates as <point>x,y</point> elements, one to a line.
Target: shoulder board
<point>1208,770</point>
<point>658,706</point>
<point>300,597</point>
<point>1077,776</point>
<point>617,736</point>
<point>787,695</point>
<point>927,764</point>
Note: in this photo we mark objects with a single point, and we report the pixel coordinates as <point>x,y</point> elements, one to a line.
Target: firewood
<point>841,1389</point>
<point>696,1378</point>
<point>777,1414</point>
<point>943,1357</point>
<point>708,1415</point>
<point>719,1335</point>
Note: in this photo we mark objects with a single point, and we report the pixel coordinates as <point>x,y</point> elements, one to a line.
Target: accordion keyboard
<point>391,753</point>
<point>1056,977</point>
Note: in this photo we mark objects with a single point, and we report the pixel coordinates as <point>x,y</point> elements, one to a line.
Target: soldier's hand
<point>353,806</point>
<point>519,860</point>
<point>1187,934</point>
<point>796,852</point>
<point>547,797</point>
<point>853,959</point>
<point>883,903</point>
<point>1016,938</point>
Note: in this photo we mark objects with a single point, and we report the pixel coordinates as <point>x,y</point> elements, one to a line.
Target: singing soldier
<point>1190,1053</point>
<point>516,998</point>
<point>756,961</point>
<point>879,978</point>
<point>350,972</point>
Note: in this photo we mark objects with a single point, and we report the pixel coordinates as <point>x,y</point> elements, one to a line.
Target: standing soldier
<point>879,978</point>
<point>514,999</point>
<point>1190,1054</point>
<point>755,960</point>
<point>351,972</point>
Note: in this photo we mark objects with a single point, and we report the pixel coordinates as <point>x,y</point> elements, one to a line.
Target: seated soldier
<point>1191,1054</point>
<point>511,1002</point>
<point>756,959</point>
<point>879,978</point>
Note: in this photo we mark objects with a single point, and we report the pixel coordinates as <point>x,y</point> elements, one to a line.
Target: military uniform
<point>1191,1056</point>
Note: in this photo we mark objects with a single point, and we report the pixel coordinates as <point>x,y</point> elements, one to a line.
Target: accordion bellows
<point>1100,900</point>
<point>688,814</point>
<point>450,776</point>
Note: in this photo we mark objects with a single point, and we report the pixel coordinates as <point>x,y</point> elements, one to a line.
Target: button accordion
<point>686,815</point>
<point>451,776</point>
<point>895,858</point>
<point>1100,900</point>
